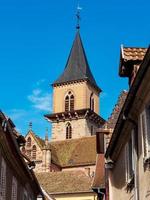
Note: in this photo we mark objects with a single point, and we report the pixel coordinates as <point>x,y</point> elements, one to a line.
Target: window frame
<point>68,131</point>
<point>145,133</point>
<point>69,101</point>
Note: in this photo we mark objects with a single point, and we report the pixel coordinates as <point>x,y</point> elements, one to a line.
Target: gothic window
<point>14,189</point>
<point>3,180</point>
<point>29,142</point>
<point>69,102</point>
<point>34,152</point>
<point>92,102</point>
<point>68,131</point>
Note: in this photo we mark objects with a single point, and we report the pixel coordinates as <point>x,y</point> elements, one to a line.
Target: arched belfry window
<point>34,152</point>
<point>92,102</point>
<point>29,142</point>
<point>68,131</point>
<point>69,102</point>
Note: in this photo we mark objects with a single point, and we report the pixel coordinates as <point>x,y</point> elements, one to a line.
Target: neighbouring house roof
<point>128,104</point>
<point>65,182</point>
<point>74,152</point>
<point>110,124</point>
<point>77,67</point>
<point>133,55</point>
<point>99,179</point>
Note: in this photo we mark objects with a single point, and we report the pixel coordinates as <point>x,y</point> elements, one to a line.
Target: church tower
<point>75,98</point>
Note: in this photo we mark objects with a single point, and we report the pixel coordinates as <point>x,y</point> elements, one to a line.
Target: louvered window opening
<point>92,102</point>
<point>69,102</point>
<point>34,152</point>
<point>68,131</point>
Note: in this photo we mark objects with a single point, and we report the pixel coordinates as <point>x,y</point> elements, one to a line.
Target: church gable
<point>33,146</point>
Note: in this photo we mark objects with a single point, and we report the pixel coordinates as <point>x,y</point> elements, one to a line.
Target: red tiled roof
<point>65,182</point>
<point>133,53</point>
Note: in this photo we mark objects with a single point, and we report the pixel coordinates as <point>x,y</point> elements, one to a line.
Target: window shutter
<point>148,128</point>
<point>14,189</point>
<point>144,133</point>
<point>3,180</point>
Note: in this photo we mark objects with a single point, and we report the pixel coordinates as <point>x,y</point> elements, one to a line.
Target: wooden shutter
<point>3,180</point>
<point>144,132</point>
<point>14,189</point>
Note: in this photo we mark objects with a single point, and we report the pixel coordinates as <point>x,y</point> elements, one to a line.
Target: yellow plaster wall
<point>81,91</point>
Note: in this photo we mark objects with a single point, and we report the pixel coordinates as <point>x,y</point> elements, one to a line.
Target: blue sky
<point>35,40</point>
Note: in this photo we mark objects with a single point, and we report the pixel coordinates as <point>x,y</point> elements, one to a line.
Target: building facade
<point>127,156</point>
<point>17,180</point>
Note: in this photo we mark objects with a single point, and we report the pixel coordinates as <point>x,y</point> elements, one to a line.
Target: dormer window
<point>68,131</point>
<point>69,102</point>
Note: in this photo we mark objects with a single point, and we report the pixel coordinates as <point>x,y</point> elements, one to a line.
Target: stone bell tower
<point>75,98</point>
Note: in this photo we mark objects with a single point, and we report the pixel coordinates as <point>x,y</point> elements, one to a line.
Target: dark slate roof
<point>77,67</point>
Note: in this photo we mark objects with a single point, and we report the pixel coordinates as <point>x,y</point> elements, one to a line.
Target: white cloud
<point>40,100</point>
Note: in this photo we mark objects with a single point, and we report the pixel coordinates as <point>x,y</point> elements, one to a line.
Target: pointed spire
<point>77,67</point>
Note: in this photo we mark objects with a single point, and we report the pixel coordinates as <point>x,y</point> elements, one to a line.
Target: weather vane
<point>78,17</point>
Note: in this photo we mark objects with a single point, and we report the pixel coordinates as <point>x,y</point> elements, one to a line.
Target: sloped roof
<point>39,140</point>
<point>77,67</point>
<point>133,53</point>
<point>112,120</point>
<point>99,179</point>
<point>74,152</point>
<point>65,182</point>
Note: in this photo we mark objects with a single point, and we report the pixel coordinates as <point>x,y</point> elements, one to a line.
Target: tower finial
<point>30,126</point>
<point>78,17</point>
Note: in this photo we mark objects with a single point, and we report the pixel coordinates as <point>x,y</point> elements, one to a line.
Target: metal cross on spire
<point>78,17</point>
